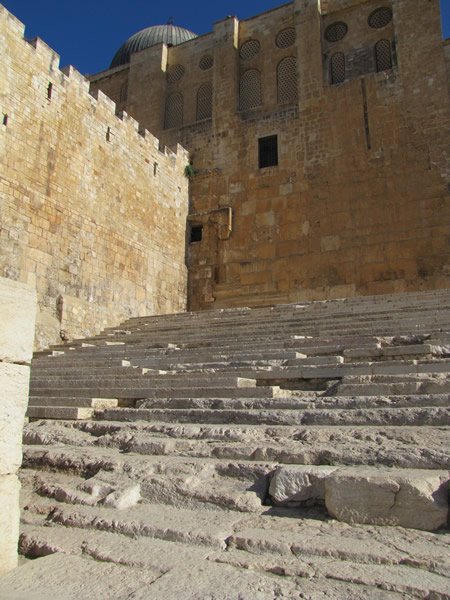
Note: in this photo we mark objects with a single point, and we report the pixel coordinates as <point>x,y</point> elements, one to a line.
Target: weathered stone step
<point>137,391</point>
<point>408,447</point>
<point>59,412</point>
<point>374,495</point>
<point>306,400</point>
<point>373,416</point>
<point>197,528</point>
<point>410,563</point>
<point>393,388</point>
<point>95,476</point>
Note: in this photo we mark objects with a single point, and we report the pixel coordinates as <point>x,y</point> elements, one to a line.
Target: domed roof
<point>170,34</point>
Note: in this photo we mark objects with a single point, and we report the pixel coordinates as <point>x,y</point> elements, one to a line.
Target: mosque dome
<point>170,34</point>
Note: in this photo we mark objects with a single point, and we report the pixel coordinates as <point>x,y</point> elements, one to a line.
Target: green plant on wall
<point>189,170</point>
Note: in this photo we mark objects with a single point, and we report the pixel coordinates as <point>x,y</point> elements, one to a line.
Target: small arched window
<point>287,79</point>
<point>204,102</point>
<point>174,111</point>
<point>124,92</point>
<point>250,90</point>
<point>337,68</point>
<point>383,55</point>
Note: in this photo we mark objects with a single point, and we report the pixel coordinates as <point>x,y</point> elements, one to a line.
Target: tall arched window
<point>124,92</point>
<point>287,79</point>
<point>204,101</point>
<point>250,90</point>
<point>383,55</point>
<point>174,111</point>
<point>337,68</point>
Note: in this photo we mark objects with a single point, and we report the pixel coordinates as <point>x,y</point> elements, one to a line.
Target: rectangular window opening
<point>268,151</point>
<point>196,233</point>
<point>5,120</point>
<point>108,134</point>
<point>155,168</point>
<point>49,91</point>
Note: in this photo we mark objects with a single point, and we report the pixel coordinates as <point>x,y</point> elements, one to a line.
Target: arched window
<point>124,92</point>
<point>287,79</point>
<point>383,55</point>
<point>337,68</point>
<point>204,102</point>
<point>174,111</point>
<point>250,90</point>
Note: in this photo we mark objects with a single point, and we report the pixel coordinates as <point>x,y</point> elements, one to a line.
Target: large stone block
<point>17,318</point>
<point>9,522</point>
<point>407,498</point>
<point>14,384</point>
<point>299,484</point>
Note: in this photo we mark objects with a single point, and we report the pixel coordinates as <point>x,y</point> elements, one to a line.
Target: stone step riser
<point>386,389</point>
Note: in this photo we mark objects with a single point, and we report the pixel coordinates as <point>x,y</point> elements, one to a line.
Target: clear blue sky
<point>87,33</point>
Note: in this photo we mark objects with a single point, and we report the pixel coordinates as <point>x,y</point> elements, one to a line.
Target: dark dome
<point>170,34</point>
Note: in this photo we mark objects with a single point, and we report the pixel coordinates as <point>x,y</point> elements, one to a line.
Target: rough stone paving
<point>296,451</point>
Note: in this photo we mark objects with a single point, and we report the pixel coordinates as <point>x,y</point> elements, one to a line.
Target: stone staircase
<point>295,451</point>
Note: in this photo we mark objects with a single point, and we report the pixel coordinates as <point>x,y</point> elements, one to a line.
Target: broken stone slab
<point>17,318</point>
<point>414,499</point>
<point>9,522</point>
<point>14,381</point>
<point>411,498</point>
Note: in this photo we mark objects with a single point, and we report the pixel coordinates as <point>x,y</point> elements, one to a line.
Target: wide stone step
<point>136,391</point>
<point>394,388</point>
<point>101,476</point>
<point>306,400</point>
<point>147,381</point>
<point>373,416</point>
<point>373,495</point>
<point>320,556</point>
<point>408,447</point>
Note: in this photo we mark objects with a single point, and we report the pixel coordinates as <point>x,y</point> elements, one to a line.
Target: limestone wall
<point>17,316</point>
<point>93,213</point>
<point>358,202</point>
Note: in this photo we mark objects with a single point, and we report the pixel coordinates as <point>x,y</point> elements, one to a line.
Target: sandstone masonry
<point>93,208</point>
<point>355,197</point>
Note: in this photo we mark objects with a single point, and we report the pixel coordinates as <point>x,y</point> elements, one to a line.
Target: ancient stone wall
<point>17,315</point>
<point>93,210</point>
<point>358,200</point>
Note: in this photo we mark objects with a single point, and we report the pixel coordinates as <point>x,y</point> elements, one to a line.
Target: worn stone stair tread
<point>293,547</point>
<point>389,445</point>
<point>373,416</point>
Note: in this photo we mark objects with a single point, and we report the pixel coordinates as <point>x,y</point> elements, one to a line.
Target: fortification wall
<point>93,214</point>
<point>358,202</point>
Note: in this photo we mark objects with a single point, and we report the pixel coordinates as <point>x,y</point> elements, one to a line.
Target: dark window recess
<point>268,151</point>
<point>49,91</point>
<point>196,233</point>
<point>5,119</point>
<point>383,55</point>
